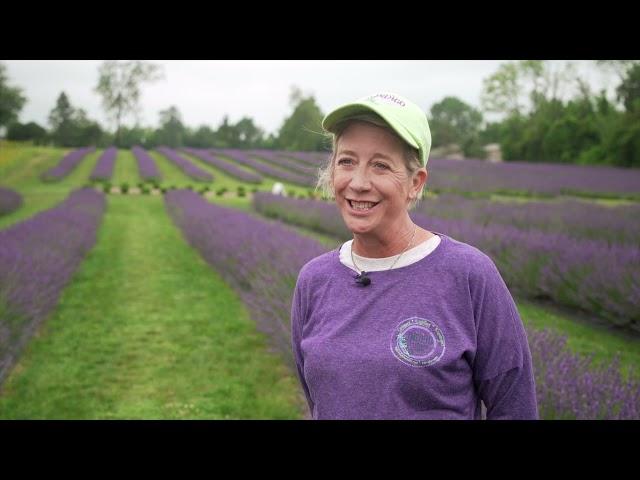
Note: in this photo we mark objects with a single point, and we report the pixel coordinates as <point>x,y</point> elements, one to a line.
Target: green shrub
<point>124,188</point>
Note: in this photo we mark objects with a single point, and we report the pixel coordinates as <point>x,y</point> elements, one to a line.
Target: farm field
<point>179,267</point>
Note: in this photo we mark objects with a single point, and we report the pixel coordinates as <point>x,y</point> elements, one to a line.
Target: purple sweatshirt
<point>429,340</point>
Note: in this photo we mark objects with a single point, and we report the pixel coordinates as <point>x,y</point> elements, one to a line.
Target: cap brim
<point>355,108</point>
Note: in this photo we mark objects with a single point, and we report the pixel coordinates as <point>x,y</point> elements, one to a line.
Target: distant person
<point>278,189</point>
<point>401,322</point>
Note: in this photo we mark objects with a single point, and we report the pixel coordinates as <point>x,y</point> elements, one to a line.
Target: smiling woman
<point>436,333</point>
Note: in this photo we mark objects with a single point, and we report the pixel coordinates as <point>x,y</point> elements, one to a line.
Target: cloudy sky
<point>204,91</point>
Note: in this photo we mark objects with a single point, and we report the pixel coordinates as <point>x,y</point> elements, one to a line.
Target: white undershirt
<point>378,264</point>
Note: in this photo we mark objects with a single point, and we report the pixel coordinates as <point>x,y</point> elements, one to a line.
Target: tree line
<point>537,122</point>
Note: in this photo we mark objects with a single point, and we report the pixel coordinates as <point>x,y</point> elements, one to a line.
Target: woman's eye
<point>344,161</point>
<point>382,165</point>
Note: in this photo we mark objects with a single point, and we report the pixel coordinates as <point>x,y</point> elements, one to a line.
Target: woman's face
<point>370,179</point>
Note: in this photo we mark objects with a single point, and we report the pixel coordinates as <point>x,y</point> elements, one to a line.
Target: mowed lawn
<point>147,330</point>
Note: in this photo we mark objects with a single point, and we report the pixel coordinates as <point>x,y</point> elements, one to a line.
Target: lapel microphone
<point>362,279</point>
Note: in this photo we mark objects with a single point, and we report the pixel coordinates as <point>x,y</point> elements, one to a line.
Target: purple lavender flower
<point>104,167</point>
<point>243,158</point>
<point>68,163</point>
<point>570,386</point>
<point>186,166</point>
<point>279,160</point>
<point>472,175</point>
<point>38,257</point>
<point>146,165</point>
<point>10,201</point>
<point>226,167</point>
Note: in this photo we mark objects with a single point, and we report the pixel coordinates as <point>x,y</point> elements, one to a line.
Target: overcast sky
<point>204,91</point>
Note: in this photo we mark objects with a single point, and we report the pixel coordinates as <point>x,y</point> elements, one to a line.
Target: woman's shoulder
<point>319,266</point>
<point>467,257</point>
<point>463,251</point>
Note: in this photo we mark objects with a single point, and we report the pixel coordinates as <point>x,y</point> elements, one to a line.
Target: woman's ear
<point>419,179</point>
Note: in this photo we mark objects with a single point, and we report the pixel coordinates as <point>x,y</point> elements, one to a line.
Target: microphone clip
<point>362,279</point>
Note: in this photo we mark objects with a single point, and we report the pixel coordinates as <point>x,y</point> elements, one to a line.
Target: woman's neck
<point>394,241</point>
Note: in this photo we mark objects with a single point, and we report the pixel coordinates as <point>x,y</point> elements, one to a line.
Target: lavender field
<point>577,271</point>
<point>558,245</point>
<point>568,386</point>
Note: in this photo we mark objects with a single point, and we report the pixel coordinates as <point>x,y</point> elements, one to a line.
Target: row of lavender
<point>473,175</point>
<point>37,259</point>
<point>10,201</point>
<point>279,160</point>
<point>445,175</point>
<point>578,219</point>
<point>590,275</point>
<point>538,178</point>
<point>226,167</point>
<point>244,157</point>
<point>67,164</point>
<point>103,170</point>
<point>249,253</point>
<point>104,166</point>
<point>146,165</point>
<point>187,167</point>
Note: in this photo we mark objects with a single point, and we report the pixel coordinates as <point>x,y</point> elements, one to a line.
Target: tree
<point>61,121</point>
<point>11,100</point>
<point>172,130</point>
<point>71,127</point>
<point>202,137</point>
<point>130,137</point>
<point>249,135</point>
<point>628,92</point>
<point>27,132</point>
<point>85,131</point>
<point>119,85</point>
<point>303,129</point>
<point>501,92</point>
<point>508,88</point>
<point>453,121</point>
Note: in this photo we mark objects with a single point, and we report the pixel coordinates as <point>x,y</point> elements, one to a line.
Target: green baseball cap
<point>403,116</point>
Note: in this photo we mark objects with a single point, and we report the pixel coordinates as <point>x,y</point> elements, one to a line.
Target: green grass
<point>171,174</point>
<point>23,175</point>
<point>148,330</point>
<point>126,169</point>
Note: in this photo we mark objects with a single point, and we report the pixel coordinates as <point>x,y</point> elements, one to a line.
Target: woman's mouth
<point>361,207</point>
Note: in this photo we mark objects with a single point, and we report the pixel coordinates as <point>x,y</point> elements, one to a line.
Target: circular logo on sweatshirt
<point>418,342</point>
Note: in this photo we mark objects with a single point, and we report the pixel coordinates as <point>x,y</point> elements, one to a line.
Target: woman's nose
<point>360,180</point>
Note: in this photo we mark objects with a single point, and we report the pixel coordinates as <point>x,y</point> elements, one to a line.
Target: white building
<point>494,152</point>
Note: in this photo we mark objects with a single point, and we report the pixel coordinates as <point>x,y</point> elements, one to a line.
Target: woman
<point>401,322</point>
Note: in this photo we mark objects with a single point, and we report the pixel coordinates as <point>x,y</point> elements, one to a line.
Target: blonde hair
<point>325,174</point>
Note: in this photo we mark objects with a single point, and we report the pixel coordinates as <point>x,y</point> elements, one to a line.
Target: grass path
<point>147,330</point>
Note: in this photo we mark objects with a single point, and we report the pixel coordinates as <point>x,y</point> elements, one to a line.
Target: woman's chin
<point>357,225</point>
